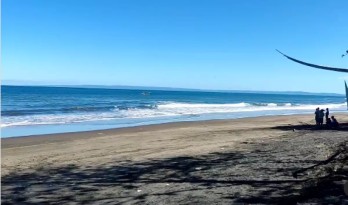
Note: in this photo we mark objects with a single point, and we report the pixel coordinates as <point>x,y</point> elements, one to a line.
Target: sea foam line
<point>162,110</point>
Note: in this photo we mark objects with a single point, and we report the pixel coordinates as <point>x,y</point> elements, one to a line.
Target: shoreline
<point>44,129</point>
<point>10,141</point>
<point>155,125</point>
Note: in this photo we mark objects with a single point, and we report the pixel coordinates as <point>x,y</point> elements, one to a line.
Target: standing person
<point>316,113</point>
<point>321,117</point>
<point>327,114</point>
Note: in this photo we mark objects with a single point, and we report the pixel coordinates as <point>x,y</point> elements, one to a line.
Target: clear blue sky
<point>211,44</point>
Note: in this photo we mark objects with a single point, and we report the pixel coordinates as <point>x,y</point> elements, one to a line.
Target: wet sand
<point>248,160</point>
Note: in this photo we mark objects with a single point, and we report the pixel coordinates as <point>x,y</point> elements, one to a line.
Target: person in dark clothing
<point>327,113</point>
<point>321,117</point>
<point>334,122</point>
<point>316,113</point>
<point>328,123</point>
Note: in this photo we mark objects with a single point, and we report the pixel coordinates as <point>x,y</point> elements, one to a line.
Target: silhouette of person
<point>316,113</point>
<point>327,113</point>
<point>328,123</point>
<point>321,117</point>
<point>334,122</point>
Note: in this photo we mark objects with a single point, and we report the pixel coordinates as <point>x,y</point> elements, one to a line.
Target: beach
<point>174,102</point>
<point>249,160</point>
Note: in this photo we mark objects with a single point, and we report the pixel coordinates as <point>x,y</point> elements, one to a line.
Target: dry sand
<point>247,160</point>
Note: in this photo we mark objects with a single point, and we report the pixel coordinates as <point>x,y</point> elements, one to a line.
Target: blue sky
<point>175,43</point>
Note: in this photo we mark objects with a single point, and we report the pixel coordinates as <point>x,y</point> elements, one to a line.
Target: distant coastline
<point>123,87</point>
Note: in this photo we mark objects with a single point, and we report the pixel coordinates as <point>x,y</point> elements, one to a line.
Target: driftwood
<point>325,178</point>
<point>339,157</point>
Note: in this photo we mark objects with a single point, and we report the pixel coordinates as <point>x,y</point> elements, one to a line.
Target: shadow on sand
<point>260,176</point>
<point>309,127</point>
<point>119,184</point>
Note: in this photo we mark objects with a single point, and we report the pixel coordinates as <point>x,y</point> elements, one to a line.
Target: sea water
<point>31,110</point>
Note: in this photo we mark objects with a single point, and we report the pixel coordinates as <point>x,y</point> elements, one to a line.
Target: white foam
<point>169,109</point>
<point>272,105</point>
<point>191,105</point>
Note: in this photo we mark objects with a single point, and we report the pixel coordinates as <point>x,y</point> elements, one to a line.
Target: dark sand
<point>243,161</point>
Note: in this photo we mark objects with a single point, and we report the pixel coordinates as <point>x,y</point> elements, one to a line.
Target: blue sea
<point>31,110</point>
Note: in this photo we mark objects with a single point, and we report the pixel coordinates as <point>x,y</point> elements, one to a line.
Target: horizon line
<point>127,87</point>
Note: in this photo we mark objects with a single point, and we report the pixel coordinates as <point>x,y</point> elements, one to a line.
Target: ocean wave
<point>200,105</point>
<point>163,109</point>
<point>129,107</point>
<point>74,109</point>
<point>186,108</point>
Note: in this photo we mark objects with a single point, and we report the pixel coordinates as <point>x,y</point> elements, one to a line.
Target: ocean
<point>31,110</point>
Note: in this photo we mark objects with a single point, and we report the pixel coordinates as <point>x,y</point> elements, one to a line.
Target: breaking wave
<point>161,109</point>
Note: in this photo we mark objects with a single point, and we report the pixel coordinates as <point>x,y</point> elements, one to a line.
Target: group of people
<point>319,118</point>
